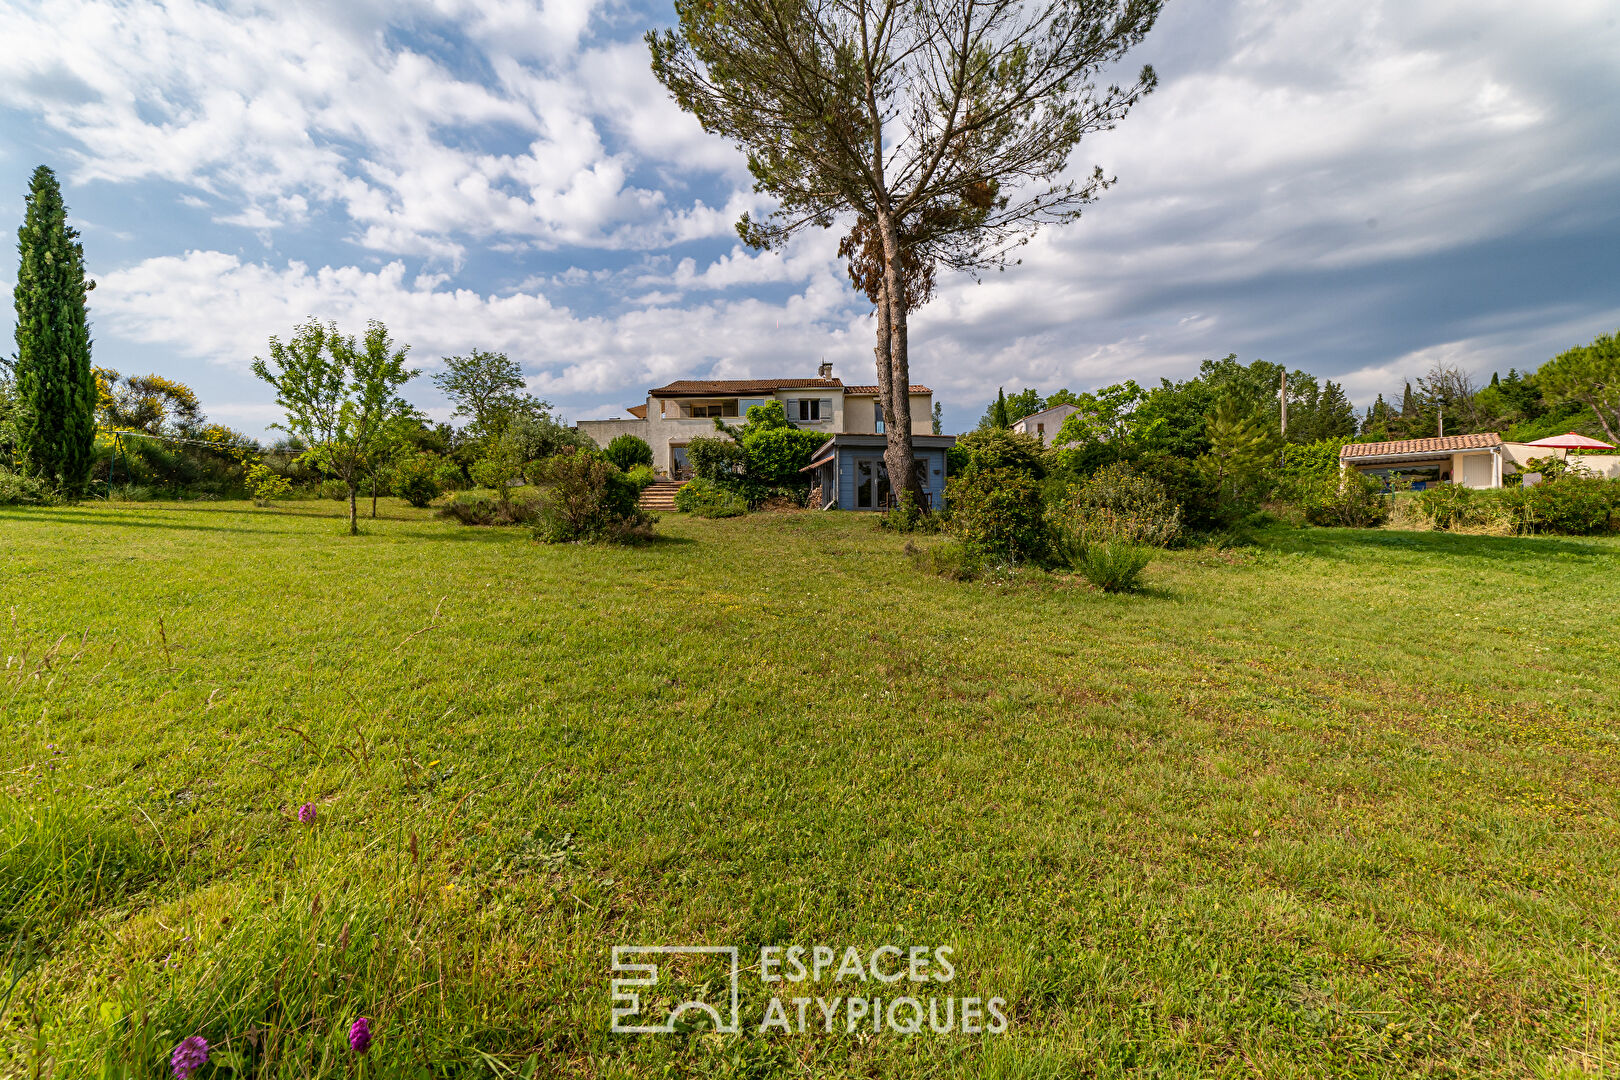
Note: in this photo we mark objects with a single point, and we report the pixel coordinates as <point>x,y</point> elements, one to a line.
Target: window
<point>877,417</point>
<point>809,409</point>
<point>714,408</point>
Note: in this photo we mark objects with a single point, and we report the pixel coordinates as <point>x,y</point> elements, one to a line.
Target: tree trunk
<point>897,412</point>
<point>354,523</point>
<point>884,328</point>
<point>373,498</point>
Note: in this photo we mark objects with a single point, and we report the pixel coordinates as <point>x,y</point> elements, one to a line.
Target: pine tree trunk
<point>897,456</point>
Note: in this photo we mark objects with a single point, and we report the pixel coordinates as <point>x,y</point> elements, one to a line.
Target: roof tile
<point>1449,443</point>
<point>743,386</point>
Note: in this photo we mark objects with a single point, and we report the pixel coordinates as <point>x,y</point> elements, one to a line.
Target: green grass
<point>1343,805</point>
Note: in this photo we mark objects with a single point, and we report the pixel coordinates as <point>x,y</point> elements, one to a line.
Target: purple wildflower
<point>189,1056</point>
<point>360,1035</point>
<point>306,813</point>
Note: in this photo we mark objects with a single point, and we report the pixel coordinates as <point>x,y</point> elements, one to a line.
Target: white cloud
<point>276,110</point>
<point>570,357</point>
<point>1348,186</point>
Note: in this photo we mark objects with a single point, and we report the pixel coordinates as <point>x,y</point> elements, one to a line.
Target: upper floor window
<point>877,417</point>
<point>714,408</point>
<point>810,409</point>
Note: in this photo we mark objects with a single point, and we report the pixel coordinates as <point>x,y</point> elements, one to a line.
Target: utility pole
<point>1442,421</point>
<point>1282,397</point>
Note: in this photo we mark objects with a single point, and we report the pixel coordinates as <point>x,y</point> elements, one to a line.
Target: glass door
<point>871,484</point>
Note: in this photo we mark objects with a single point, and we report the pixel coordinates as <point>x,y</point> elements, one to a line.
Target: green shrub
<point>1189,487</point>
<point>19,490</point>
<point>266,485</point>
<point>449,476</point>
<point>706,498</point>
<point>1113,565</point>
<point>642,476</point>
<point>1117,503</point>
<point>584,497</point>
<point>775,455</point>
<point>414,481</point>
<point>333,489</point>
<point>998,511</point>
<point>908,517</point>
<point>996,448</point>
<point>1351,501</point>
<point>627,451</point>
<point>1450,506</point>
<point>470,508</point>
<point>1313,460</point>
<point>716,457</point>
<point>953,560</point>
<point>1570,505</point>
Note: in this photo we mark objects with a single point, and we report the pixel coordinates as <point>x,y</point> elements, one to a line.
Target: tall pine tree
<point>56,390</point>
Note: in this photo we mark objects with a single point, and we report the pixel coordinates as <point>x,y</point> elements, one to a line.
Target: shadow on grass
<point>665,540</point>
<point>1353,544</point>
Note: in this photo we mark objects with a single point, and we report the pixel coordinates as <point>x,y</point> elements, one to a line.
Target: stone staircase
<point>659,497</point>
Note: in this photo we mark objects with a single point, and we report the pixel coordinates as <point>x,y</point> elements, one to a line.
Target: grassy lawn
<point>1342,805</point>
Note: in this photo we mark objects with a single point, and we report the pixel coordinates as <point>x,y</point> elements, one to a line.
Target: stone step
<point>660,494</point>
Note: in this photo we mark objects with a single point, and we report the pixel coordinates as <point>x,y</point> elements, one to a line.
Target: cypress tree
<point>56,390</point>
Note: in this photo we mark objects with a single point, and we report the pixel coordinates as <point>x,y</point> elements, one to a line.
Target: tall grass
<point>1230,831</point>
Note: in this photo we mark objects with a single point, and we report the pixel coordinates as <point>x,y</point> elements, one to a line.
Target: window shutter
<point>792,409</point>
<point>826,408</point>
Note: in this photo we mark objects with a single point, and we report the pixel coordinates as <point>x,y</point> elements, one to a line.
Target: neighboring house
<point>1476,461</point>
<point>675,414</point>
<point>1045,424</point>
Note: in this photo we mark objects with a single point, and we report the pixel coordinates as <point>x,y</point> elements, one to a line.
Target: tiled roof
<point>638,411</point>
<point>872,391</point>
<point>742,386</point>
<point>1480,441</point>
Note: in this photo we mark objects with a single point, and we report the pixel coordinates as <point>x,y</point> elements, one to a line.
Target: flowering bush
<point>706,498</point>
<point>265,485</point>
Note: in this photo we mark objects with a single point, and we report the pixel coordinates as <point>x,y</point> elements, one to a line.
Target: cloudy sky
<point>1354,187</point>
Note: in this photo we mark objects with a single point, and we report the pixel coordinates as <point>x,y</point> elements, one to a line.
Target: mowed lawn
<point>1344,804</point>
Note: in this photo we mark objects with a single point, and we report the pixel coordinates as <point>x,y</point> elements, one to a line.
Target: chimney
<point>825,370</point>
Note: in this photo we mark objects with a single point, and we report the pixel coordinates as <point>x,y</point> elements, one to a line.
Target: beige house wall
<point>1604,465</point>
<point>860,419</point>
<point>664,425</point>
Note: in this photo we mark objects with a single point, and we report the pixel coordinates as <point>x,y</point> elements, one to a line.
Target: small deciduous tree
<point>55,388</point>
<point>340,397</point>
<point>488,389</point>
<point>1589,374</point>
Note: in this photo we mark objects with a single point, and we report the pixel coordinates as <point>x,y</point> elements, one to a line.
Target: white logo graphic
<point>627,1002</point>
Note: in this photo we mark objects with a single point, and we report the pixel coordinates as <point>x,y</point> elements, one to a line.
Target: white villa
<point>674,415</point>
